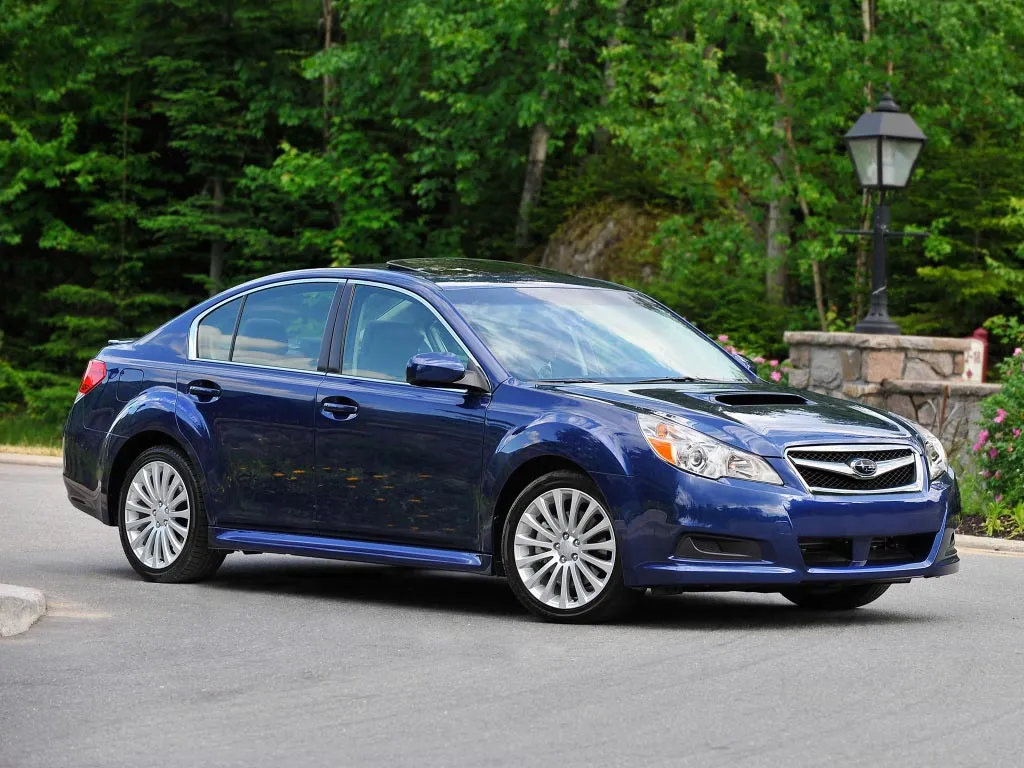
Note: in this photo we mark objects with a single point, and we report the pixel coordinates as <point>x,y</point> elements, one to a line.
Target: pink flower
<point>999,497</point>
<point>998,473</point>
<point>993,453</point>
<point>723,337</point>
<point>986,474</point>
<point>1000,416</point>
<point>776,376</point>
<point>773,363</point>
<point>758,359</point>
<point>1016,433</point>
<point>982,439</point>
<point>1018,351</point>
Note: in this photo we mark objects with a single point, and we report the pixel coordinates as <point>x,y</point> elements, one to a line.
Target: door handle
<point>333,409</point>
<point>206,391</point>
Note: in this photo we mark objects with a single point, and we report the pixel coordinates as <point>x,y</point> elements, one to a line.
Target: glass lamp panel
<point>865,160</point>
<point>898,158</point>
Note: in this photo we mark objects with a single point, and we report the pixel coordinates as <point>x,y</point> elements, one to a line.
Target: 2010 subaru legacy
<point>572,435</point>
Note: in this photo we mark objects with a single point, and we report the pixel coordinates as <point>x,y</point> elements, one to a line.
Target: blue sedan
<point>571,435</point>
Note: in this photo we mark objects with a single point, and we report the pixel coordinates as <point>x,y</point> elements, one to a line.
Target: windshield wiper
<point>669,380</point>
<point>568,381</point>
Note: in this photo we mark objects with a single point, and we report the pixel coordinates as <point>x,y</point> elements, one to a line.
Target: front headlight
<point>701,455</point>
<point>934,452</point>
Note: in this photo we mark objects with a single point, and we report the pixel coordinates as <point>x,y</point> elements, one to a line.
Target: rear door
<point>257,363</point>
<point>397,462</point>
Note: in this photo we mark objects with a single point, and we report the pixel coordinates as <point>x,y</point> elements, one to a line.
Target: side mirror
<point>434,369</point>
<point>746,362</point>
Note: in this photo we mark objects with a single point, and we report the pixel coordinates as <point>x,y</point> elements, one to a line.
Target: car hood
<point>757,416</point>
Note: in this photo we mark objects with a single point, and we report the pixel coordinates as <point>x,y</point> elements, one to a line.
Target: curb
<point>20,608</point>
<point>989,544</point>
<point>31,460</point>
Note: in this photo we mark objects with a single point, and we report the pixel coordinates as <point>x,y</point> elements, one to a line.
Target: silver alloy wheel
<point>564,548</point>
<point>157,514</point>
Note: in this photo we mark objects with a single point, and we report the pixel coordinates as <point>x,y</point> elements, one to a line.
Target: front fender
<point>574,437</point>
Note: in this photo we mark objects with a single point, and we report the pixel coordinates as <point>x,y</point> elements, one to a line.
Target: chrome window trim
<point>922,467</point>
<point>332,375</point>
<point>428,305</point>
<point>193,329</point>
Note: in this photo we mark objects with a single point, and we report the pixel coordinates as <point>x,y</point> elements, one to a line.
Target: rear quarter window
<point>213,339</point>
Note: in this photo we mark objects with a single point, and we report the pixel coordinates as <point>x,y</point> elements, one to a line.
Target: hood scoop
<point>760,398</point>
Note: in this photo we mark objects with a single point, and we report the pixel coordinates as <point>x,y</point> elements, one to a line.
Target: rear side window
<point>213,339</point>
<point>386,328</point>
<point>284,326</point>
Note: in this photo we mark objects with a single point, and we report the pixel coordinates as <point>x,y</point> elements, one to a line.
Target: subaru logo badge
<point>864,467</point>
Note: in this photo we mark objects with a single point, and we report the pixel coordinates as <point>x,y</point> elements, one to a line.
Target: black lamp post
<point>884,146</point>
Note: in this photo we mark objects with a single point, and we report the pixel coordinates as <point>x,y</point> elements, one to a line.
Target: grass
<point>20,433</point>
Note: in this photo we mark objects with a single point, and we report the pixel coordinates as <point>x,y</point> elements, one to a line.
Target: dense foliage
<point>153,151</point>
<point>1000,444</point>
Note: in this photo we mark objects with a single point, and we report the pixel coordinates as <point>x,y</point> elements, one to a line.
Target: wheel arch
<point>123,459</point>
<point>515,483</point>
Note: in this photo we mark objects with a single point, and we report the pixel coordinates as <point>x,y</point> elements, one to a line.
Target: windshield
<point>589,334</point>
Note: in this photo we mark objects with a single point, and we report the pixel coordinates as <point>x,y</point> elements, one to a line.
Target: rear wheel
<point>561,553</point>
<point>835,598</point>
<point>162,519</point>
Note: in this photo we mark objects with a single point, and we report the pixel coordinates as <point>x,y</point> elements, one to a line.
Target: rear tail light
<point>95,373</point>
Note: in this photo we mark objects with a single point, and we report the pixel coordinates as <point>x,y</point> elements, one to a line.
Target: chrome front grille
<point>852,469</point>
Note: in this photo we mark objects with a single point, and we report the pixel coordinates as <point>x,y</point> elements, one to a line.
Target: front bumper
<point>656,510</point>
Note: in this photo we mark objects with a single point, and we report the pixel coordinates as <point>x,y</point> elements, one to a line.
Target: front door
<point>253,387</point>
<point>396,462</point>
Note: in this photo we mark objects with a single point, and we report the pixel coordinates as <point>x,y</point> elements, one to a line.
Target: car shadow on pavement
<point>487,596</point>
<point>739,610</point>
<point>371,584</point>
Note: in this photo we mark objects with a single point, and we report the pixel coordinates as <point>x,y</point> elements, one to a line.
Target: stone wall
<point>918,377</point>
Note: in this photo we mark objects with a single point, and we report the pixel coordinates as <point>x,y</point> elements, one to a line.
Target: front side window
<point>589,334</point>
<point>386,328</point>
<point>283,326</point>
<point>213,338</point>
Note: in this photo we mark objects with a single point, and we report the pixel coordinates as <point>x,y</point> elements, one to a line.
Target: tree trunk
<point>778,228</point>
<point>328,22</point>
<point>537,157</point>
<point>602,138</point>
<point>217,246</point>
<point>532,183</point>
<point>819,292</point>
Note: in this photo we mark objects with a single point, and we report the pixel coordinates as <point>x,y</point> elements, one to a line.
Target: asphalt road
<point>287,662</point>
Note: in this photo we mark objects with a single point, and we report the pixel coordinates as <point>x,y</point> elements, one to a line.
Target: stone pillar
<point>917,377</point>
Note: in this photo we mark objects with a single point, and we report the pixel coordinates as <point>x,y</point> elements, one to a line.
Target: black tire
<point>835,598</point>
<point>614,600</point>
<point>196,561</point>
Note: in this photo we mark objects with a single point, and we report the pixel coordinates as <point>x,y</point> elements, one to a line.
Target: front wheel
<point>561,554</point>
<point>835,598</point>
<point>162,519</point>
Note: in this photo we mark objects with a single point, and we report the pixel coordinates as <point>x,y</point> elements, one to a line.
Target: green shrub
<point>12,389</point>
<point>1000,444</point>
<point>33,405</point>
<point>51,404</point>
